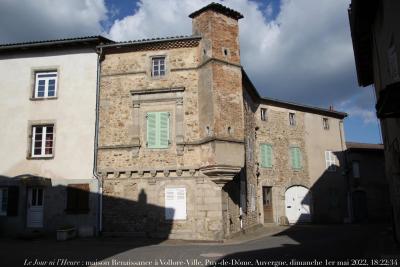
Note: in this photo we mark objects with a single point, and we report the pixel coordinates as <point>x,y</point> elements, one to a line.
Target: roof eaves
<point>150,41</point>
<point>218,8</point>
<point>306,107</point>
<point>46,43</point>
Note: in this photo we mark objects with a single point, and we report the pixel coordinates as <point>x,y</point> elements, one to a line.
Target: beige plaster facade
<point>72,112</point>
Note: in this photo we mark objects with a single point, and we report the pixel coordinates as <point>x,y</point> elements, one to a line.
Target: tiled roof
<point>290,105</point>
<point>153,40</point>
<point>218,8</point>
<point>67,41</point>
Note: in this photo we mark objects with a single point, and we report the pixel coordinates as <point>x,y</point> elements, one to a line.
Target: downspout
<point>96,136</point>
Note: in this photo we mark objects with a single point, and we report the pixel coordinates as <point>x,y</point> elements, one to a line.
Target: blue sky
<point>295,50</point>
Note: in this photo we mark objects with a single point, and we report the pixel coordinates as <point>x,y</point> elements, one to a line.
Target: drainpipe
<point>96,135</point>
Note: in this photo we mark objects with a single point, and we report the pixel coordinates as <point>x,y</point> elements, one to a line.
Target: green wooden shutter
<point>163,129</point>
<point>151,129</point>
<point>292,157</point>
<point>157,129</point>
<point>296,158</point>
<point>266,156</point>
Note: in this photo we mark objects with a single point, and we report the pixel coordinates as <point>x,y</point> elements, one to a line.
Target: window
<point>45,84</point>
<point>295,155</point>
<point>157,129</point>
<point>292,119</point>
<point>356,169</point>
<point>78,198</point>
<point>330,161</point>
<point>263,112</point>
<point>42,140</point>
<point>325,123</point>
<point>3,201</point>
<point>158,67</point>
<point>175,203</point>
<point>266,156</point>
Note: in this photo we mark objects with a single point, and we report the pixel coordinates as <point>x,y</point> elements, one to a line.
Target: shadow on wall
<point>33,208</point>
<point>338,198</point>
<point>328,237</point>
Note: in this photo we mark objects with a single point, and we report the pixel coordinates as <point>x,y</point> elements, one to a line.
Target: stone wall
<point>277,132</point>
<point>250,177</point>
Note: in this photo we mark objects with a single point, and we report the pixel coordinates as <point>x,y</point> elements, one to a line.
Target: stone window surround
<point>32,123</point>
<point>150,66</point>
<point>158,95</point>
<point>34,70</point>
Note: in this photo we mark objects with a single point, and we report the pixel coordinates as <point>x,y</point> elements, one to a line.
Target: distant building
<point>376,41</point>
<point>369,187</point>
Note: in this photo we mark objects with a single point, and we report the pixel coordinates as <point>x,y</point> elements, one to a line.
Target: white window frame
<point>43,145</point>
<point>3,195</point>
<point>46,84</point>
<point>330,161</point>
<point>356,170</point>
<point>263,113</point>
<point>157,59</point>
<point>175,208</point>
<point>292,119</point>
<point>325,123</point>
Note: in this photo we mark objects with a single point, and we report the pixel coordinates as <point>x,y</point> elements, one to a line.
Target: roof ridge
<point>56,40</point>
<point>218,8</point>
<point>165,38</point>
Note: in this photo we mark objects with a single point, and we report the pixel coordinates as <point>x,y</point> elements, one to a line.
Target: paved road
<point>307,245</point>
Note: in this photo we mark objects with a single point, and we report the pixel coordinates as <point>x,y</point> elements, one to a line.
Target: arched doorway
<point>298,202</point>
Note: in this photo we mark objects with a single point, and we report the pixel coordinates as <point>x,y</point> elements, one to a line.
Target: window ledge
<point>164,77</point>
<point>40,157</point>
<point>43,98</point>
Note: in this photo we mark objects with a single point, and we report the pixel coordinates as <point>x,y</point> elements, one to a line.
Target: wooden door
<point>267,204</point>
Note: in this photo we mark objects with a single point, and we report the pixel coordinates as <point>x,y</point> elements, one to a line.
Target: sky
<point>293,50</point>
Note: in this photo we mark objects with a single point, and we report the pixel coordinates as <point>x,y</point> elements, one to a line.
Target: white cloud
<point>26,20</point>
<point>361,105</point>
<point>303,55</point>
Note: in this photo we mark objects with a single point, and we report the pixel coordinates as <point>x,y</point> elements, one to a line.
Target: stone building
<point>188,149</point>
<point>369,186</point>
<point>295,160</point>
<point>48,113</point>
<point>376,42</point>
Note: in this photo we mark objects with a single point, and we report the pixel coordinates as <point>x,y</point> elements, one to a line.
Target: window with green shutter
<point>295,157</point>
<point>266,156</point>
<point>157,129</point>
